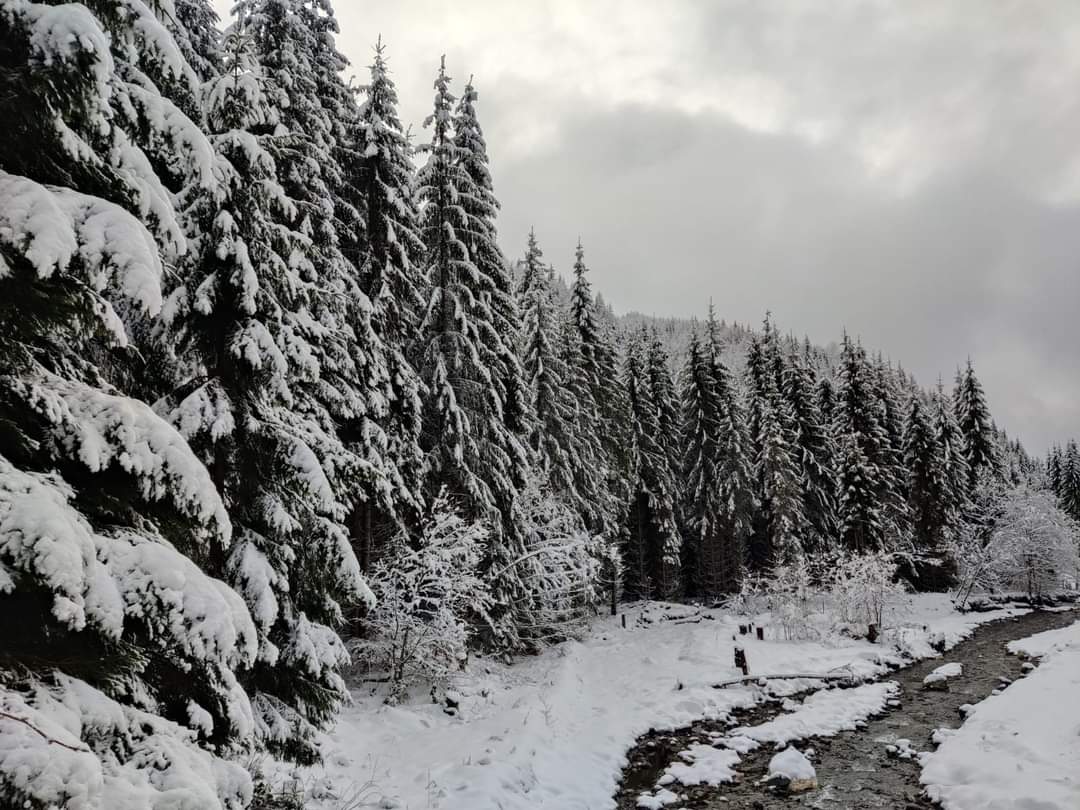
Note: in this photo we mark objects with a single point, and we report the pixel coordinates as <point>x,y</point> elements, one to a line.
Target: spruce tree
<point>734,467</point>
<point>866,486</point>
<point>606,396</point>
<point>561,447</point>
<point>388,252</point>
<point>480,207</point>
<point>665,398</point>
<point>781,495</point>
<point>973,418</point>
<point>654,544</point>
<point>700,483</point>
<point>815,454</point>
<point>954,468</point>
<point>928,499</point>
<point>251,406</point>
<point>114,638</point>
<point>470,447</point>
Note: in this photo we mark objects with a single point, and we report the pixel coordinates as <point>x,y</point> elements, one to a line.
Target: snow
<point>56,747</point>
<point>553,730</point>
<point>944,673</point>
<point>824,714</point>
<point>51,226</point>
<point>791,764</point>
<point>101,429</point>
<point>705,765</point>
<point>1019,748</point>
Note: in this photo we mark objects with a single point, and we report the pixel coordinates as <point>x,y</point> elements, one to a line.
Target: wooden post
<point>760,633</point>
<point>740,661</point>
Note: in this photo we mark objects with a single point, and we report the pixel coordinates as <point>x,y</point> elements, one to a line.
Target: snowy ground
<point>1020,748</point>
<point>553,731</point>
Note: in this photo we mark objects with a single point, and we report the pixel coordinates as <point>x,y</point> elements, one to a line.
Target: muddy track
<point>854,769</point>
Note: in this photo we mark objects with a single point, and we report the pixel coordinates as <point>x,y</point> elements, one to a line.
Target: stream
<point>854,769</point>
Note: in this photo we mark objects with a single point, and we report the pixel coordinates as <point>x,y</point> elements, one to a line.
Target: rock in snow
<point>939,678</point>
<point>791,770</point>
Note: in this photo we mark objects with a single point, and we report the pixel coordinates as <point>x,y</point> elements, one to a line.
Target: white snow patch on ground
<point>823,714</point>
<point>944,673</point>
<point>1021,748</point>
<point>791,764</point>
<point>704,765</point>
<point>553,730</point>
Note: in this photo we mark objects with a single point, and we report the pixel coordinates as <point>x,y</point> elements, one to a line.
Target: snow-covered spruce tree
<point>973,418</point>
<point>705,563</point>
<point>469,446</point>
<point>933,518</point>
<point>782,496</point>
<point>1069,485</point>
<point>561,446</point>
<point>665,398</point>
<point>1053,469</point>
<point>653,544</point>
<point>867,490</point>
<point>954,467</point>
<point>294,43</point>
<point>244,318</point>
<point>603,403</point>
<point>861,522</point>
<point>198,36</point>
<point>494,282</point>
<point>734,467</point>
<point>891,417</point>
<point>389,252</point>
<point>815,454</point>
<point>117,650</point>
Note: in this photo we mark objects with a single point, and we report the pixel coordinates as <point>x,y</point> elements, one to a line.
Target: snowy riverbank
<point>1020,748</point>
<point>553,731</point>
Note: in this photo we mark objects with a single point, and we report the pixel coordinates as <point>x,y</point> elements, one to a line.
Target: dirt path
<point>854,769</point>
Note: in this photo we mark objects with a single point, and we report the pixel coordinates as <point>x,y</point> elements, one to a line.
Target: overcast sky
<point>909,170</point>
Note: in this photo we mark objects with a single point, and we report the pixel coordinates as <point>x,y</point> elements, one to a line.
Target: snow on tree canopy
<point>74,765</point>
<point>100,429</point>
<point>52,226</point>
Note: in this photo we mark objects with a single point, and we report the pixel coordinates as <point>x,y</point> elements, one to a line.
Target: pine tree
<point>114,638</point>
<point>469,444</point>
<point>654,544</point>
<point>251,407</point>
<point>973,417</point>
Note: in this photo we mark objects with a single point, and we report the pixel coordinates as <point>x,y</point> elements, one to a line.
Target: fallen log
<point>847,678</point>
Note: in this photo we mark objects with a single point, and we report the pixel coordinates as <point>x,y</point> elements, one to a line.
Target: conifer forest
<point>317,490</point>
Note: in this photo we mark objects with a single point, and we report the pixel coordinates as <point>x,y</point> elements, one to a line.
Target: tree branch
<point>36,730</point>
